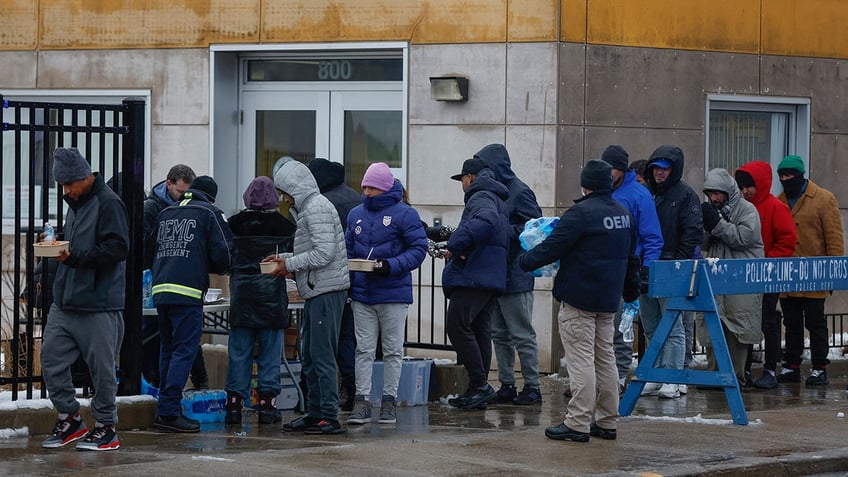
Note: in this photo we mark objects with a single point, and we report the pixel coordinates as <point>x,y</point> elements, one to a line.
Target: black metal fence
<point>425,328</point>
<point>111,136</point>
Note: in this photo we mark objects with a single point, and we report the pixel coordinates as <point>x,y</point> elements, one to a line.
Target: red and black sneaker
<point>325,426</point>
<point>103,438</point>
<point>67,430</point>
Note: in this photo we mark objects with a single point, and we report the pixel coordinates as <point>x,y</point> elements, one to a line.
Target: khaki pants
<point>593,377</point>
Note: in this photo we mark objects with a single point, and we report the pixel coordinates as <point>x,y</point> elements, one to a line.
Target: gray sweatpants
<point>97,337</point>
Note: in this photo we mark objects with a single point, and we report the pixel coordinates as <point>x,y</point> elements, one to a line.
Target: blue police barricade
<point>690,285</point>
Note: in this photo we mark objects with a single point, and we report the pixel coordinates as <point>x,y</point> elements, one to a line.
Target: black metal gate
<point>111,137</point>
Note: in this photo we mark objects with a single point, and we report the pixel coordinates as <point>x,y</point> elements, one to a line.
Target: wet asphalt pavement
<point>793,430</point>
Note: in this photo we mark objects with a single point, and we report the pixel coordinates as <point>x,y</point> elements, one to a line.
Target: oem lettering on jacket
<point>174,237</point>
<point>617,222</point>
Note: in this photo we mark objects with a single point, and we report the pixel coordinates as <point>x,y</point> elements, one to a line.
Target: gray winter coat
<point>319,261</point>
<point>738,237</point>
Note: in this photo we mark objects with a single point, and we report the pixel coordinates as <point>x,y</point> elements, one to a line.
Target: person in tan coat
<point>816,215</point>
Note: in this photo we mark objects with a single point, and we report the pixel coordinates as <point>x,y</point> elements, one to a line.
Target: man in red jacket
<point>779,239</point>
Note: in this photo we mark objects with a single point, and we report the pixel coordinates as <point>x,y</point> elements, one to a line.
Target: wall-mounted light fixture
<point>449,88</point>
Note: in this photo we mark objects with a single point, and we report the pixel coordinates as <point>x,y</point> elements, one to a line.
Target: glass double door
<point>354,128</point>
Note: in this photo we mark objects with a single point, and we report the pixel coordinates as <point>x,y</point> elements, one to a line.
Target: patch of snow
<point>697,419</point>
<point>209,457</point>
<point>12,433</point>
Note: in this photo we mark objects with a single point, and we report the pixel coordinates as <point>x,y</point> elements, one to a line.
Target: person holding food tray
<point>388,235</point>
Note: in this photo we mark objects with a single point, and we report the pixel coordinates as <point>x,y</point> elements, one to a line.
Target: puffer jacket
<point>155,202</point>
<point>479,244</point>
<point>93,278</point>
<point>330,177</point>
<point>258,300</point>
<point>521,206</point>
<point>738,237</point>
<point>319,260</point>
<point>819,226</point>
<point>385,228</point>
<point>638,200</point>
<point>779,234</point>
<point>193,240</point>
<point>678,207</point>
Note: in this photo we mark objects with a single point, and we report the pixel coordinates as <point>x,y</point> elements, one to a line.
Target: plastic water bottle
<point>628,314</point>
<point>147,289</point>
<point>49,233</point>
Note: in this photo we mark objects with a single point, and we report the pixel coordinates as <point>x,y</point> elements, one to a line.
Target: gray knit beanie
<point>69,165</point>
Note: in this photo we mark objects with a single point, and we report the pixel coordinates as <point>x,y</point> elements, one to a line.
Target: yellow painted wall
<point>716,25</point>
<point>18,24</point>
<point>776,27</point>
<point>806,28</point>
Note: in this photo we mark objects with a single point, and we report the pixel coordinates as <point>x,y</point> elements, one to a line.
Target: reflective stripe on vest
<point>178,289</point>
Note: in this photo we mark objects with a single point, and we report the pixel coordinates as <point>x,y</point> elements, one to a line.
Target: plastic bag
<point>536,231</point>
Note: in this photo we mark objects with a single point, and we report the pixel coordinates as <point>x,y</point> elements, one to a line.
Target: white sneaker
<point>650,389</point>
<point>668,391</point>
<point>683,388</point>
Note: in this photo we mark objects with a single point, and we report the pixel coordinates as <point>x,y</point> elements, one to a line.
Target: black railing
<point>111,136</point>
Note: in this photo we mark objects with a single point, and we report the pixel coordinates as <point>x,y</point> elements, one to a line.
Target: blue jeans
<point>180,328</point>
<point>512,330</point>
<point>319,333</point>
<point>672,355</point>
<point>240,350</point>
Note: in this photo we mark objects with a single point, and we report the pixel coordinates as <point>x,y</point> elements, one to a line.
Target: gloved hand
<point>725,212</point>
<point>382,267</point>
<point>631,306</point>
<point>438,234</point>
<point>711,216</point>
<point>643,280</point>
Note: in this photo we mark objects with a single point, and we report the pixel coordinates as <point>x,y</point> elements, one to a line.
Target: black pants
<point>469,328</point>
<point>799,313</point>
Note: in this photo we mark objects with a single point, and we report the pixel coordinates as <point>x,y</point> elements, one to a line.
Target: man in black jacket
<point>512,318</point>
<point>682,226</point>
<point>164,194</point>
<point>86,318</point>
<point>192,241</point>
<point>595,242</point>
<point>330,177</point>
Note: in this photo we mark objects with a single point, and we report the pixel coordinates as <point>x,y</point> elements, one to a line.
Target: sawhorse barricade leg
<point>725,377</point>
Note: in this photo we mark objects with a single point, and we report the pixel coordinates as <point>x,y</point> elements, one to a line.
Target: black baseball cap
<point>470,166</point>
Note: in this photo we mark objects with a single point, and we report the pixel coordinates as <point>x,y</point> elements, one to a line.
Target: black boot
<point>346,398</point>
<point>268,413</point>
<point>234,406</point>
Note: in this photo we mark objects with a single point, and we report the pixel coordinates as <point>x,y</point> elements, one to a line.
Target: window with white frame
<point>742,129</point>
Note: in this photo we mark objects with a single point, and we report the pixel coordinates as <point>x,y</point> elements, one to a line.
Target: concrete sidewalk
<point>794,430</point>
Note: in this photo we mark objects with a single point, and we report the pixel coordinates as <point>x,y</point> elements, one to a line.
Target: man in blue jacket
<point>512,318</point>
<point>474,277</point>
<point>390,232</point>
<point>649,242</point>
<point>595,241</point>
<point>192,240</point>
<point>86,318</point>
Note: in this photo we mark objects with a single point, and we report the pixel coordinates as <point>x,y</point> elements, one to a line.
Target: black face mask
<point>792,187</point>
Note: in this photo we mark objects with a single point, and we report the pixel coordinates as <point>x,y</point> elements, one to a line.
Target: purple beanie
<point>261,194</point>
<point>378,176</point>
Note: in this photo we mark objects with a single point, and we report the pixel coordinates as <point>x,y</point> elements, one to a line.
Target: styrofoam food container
<point>43,249</point>
<point>361,265</point>
<point>267,267</point>
<point>213,294</point>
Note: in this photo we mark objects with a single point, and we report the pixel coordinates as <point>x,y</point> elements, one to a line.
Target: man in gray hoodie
<point>319,267</point>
